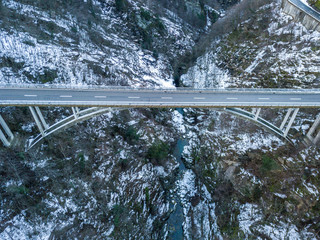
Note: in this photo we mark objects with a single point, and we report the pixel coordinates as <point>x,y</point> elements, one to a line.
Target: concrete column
<point>291,121</point>
<point>4,139</point>
<point>317,138</point>
<point>41,118</point>
<point>75,112</point>
<point>286,118</point>
<point>313,127</point>
<point>257,114</point>
<point>253,111</point>
<point>34,114</point>
<point>6,128</point>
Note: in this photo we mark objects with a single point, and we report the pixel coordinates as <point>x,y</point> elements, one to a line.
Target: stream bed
<point>176,218</point>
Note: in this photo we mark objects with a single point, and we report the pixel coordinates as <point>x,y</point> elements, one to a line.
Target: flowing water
<point>176,218</point>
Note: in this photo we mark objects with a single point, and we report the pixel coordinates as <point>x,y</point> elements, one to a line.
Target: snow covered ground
<point>72,57</point>
<point>122,183</point>
<point>272,54</point>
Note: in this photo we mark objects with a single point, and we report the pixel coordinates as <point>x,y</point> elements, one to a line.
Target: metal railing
<point>149,104</point>
<point>175,89</point>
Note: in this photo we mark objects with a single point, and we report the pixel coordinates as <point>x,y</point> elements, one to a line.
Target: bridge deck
<point>124,97</point>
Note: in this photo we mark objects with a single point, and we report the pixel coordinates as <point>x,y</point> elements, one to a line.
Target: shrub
<point>122,5</point>
<point>11,63</point>
<point>213,16</point>
<point>257,193</point>
<point>48,76</point>
<point>117,212</point>
<point>74,29</point>
<point>29,42</point>
<point>147,193</point>
<point>145,14</point>
<point>201,20</point>
<point>82,164</point>
<point>131,135</point>
<point>158,152</point>
<point>51,26</point>
<point>158,24</point>
<point>124,164</point>
<point>268,164</point>
<point>21,190</point>
<point>146,39</point>
<point>316,207</point>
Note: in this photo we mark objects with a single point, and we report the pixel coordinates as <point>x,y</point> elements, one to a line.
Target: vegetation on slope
<point>112,176</point>
<point>315,3</point>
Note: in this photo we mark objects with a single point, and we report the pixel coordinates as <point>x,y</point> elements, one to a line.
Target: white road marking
<point>166,97</point>
<point>30,95</point>
<point>261,98</point>
<point>133,97</point>
<point>65,96</point>
<point>295,99</point>
<point>231,98</point>
<point>100,96</point>
<point>198,98</point>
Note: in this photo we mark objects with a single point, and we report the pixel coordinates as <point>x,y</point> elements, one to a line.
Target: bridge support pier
<point>284,122</point>
<point>38,117</point>
<point>312,131</point>
<point>257,114</point>
<point>4,139</point>
<point>317,138</point>
<point>75,111</point>
<point>41,118</point>
<point>285,118</point>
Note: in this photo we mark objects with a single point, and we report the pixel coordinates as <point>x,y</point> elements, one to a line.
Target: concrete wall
<point>309,21</point>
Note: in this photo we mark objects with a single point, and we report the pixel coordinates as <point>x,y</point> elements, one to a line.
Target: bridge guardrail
<point>174,89</point>
<point>157,104</point>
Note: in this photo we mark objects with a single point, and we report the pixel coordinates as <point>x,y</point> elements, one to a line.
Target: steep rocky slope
<point>97,42</point>
<point>261,186</point>
<point>110,177</point>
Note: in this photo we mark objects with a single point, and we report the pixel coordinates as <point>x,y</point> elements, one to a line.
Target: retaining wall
<point>300,13</point>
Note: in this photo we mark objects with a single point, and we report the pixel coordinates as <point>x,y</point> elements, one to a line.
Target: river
<point>176,218</point>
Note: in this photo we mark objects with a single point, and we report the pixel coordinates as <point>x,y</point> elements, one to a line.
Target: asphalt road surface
<point>157,98</point>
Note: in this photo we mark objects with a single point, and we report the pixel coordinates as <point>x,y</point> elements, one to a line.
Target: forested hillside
<point>158,173</point>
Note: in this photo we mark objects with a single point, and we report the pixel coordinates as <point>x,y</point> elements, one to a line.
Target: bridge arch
<point>259,121</point>
<point>86,114</point>
<point>67,122</point>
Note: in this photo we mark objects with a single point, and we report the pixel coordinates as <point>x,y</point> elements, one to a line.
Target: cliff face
<point>157,173</point>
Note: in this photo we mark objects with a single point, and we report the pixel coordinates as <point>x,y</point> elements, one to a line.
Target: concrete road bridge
<point>98,100</point>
